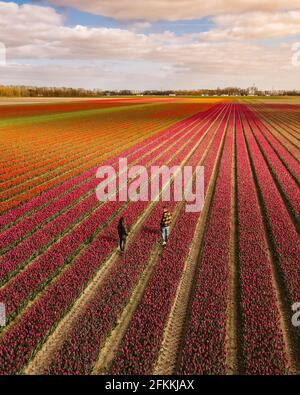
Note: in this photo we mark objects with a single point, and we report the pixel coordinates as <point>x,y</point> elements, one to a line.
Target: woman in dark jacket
<point>122,233</point>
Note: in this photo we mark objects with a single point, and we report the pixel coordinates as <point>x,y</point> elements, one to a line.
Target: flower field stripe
<point>274,130</point>
<point>42,138</point>
<point>27,208</point>
<point>86,177</point>
<point>7,257</point>
<point>123,273</point>
<point>62,325</point>
<point>58,190</point>
<point>9,192</point>
<point>57,298</point>
<point>281,128</point>
<point>203,349</point>
<point>44,165</point>
<point>287,122</point>
<point>53,108</point>
<point>140,346</point>
<point>263,341</point>
<point>26,276</point>
<point>22,285</point>
<point>289,162</point>
<point>38,189</point>
<point>286,185</point>
<point>15,181</point>
<point>282,230</point>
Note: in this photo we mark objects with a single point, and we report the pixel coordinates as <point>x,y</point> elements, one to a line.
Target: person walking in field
<point>165,226</point>
<point>122,234</point>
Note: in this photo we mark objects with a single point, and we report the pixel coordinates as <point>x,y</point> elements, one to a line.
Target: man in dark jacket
<point>165,226</point>
<point>122,234</point>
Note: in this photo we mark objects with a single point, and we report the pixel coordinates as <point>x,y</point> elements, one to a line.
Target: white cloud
<point>172,10</point>
<point>40,50</point>
<point>254,25</point>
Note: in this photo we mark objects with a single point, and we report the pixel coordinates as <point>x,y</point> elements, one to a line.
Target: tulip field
<point>216,300</point>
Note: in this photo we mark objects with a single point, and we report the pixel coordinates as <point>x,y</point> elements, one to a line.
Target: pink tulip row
<point>287,183</point>
<point>141,343</point>
<point>263,346</point>
<point>204,345</point>
<point>52,261</point>
<point>290,162</point>
<point>79,352</point>
<point>281,229</point>
<point>281,136</point>
<point>85,184</point>
<point>30,247</point>
<point>19,344</point>
<point>43,199</point>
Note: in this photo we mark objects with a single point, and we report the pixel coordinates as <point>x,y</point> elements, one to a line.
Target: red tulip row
<point>30,280</point>
<point>19,344</point>
<point>43,237</point>
<point>263,346</point>
<point>36,190</point>
<point>42,200</point>
<point>85,183</point>
<point>141,343</point>
<point>79,352</point>
<point>290,162</point>
<point>276,130</point>
<point>281,229</point>
<point>287,183</point>
<point>203,348</point>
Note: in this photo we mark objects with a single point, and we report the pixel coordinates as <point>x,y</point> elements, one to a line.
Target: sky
<point>150,44</point>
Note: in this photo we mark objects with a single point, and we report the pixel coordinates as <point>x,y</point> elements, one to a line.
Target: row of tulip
<point>288,160</point>
<point>85,183</point>
<point>31,192</point>
<point>37,274</point>
<point>203,349</point>
<point>80,351</point>
<point>289,187</point>
<point>54,173</point>
<point>47,196</point>
<point>140,346</point>
<point>45,143</point>
<point>13,111</point>
<point>74,147</point>
<point>19,344</point>
<point>277,131</point>
<point>34,244</point>
<point>281,229</point>
<point>263,346</point>
<point>17,177</point>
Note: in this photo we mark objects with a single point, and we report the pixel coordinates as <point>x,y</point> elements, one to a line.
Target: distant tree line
<point>32,91</point>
